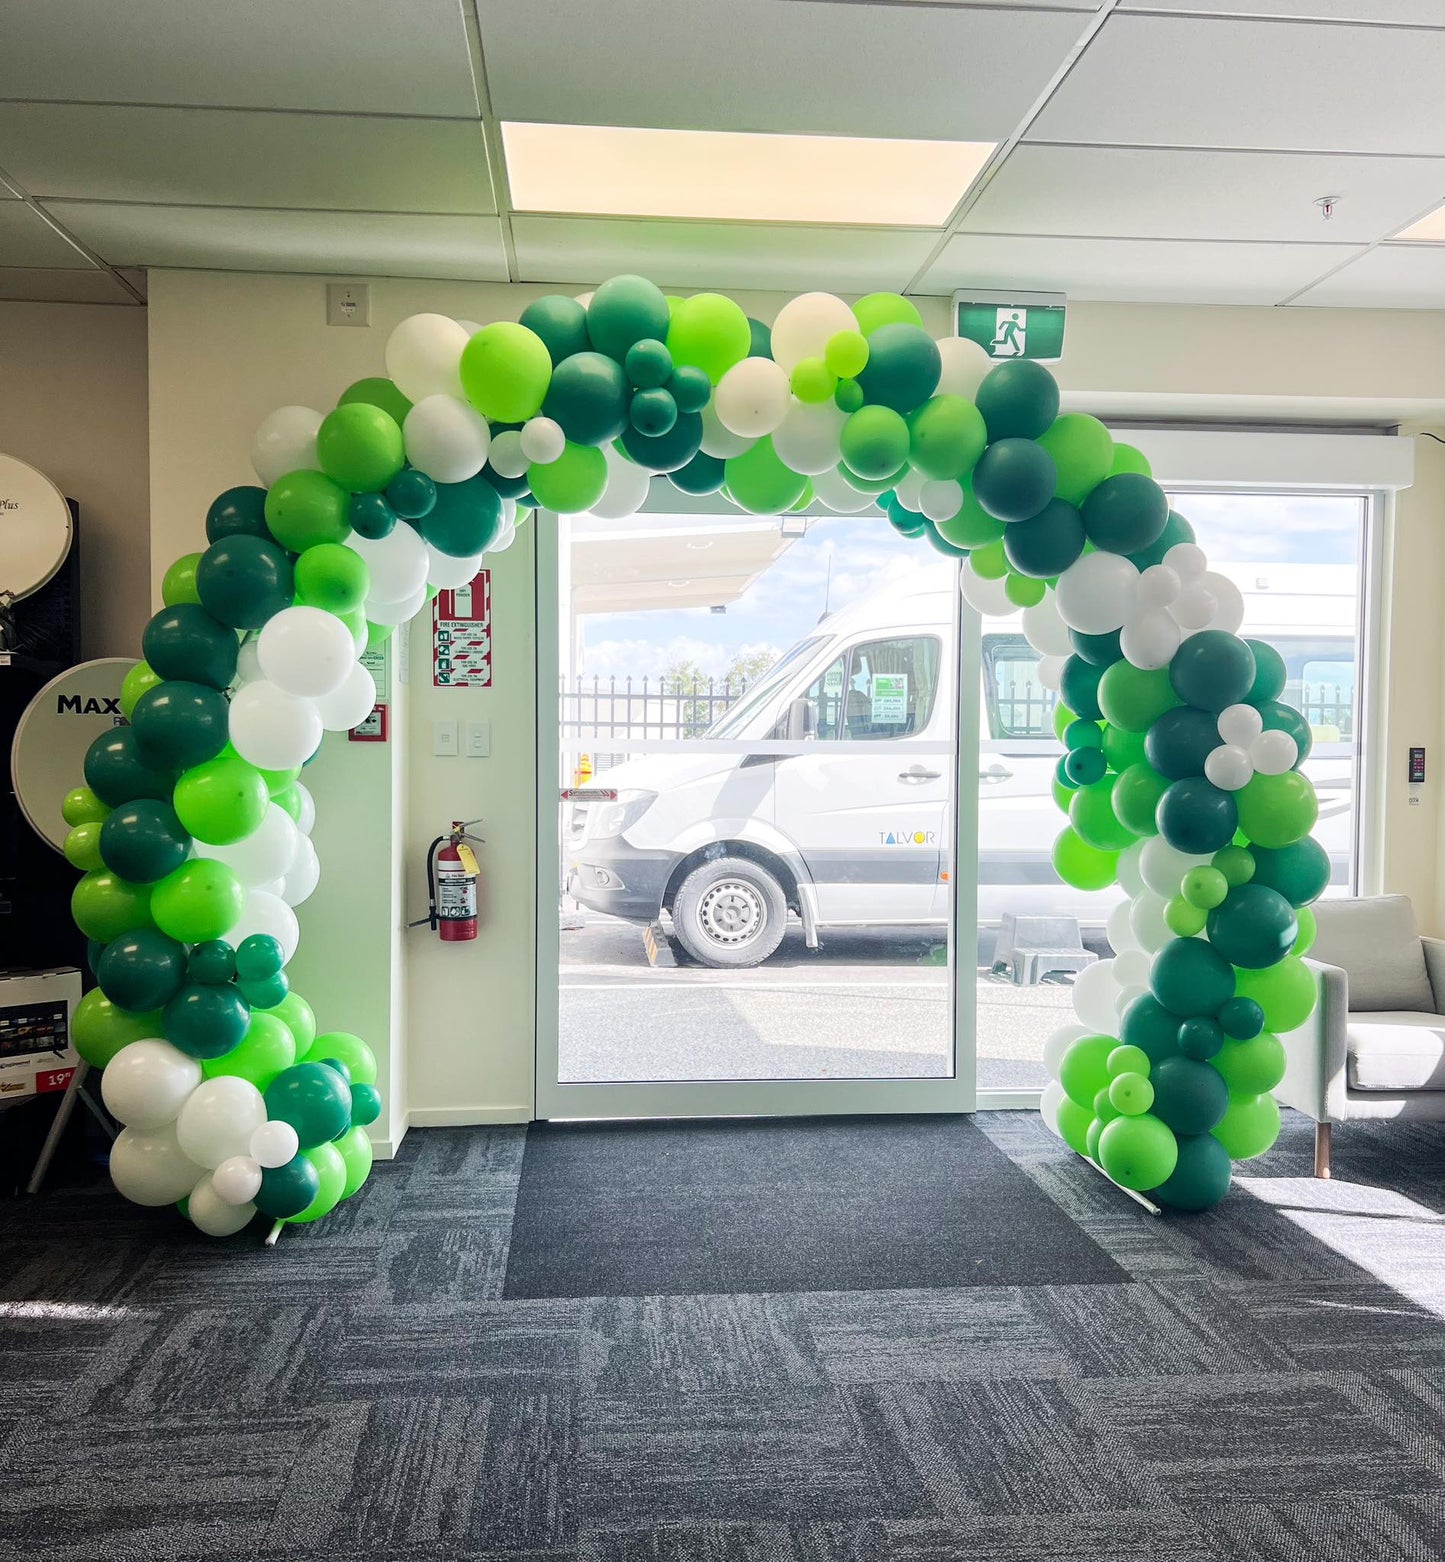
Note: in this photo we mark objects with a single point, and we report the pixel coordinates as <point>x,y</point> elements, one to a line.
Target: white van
<point>730,842</point>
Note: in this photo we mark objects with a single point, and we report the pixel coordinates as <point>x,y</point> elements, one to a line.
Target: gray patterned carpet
<point>1266,1383</point>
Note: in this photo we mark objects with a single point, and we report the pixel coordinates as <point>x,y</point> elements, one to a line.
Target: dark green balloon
<point>1047,543</point>
<point>243,581</point>
<point>1083,734</point>
<point>762,339</point>
<point>903,367</point>
<point>589,397</point>
<point>213,962</point>
<point>372,515</point>
<point>465,520</point>
<point>1279,717</point>
<point>180,724</point>
<point>1014,479</point>
<point>1196,816</point>
<point>1211,670</point>
<point>906,522</point>
<point>259,957</point>
<point>1079,687</point>
<point>1178,742</point>
<point>314,1099</point>
<point>1189,1096</point>
<point>1084,766</point>
<point>206,1021</point>
<point>340,1067</point>
<point>507,487</point>
<point>940,543</point>
<point>1018,400</point>
<point>185,641</point>
<point>648,364</point>
<point>267,992</point>
<point>1062,776</point>
<point>1253,927</point>
<point>1200,1037</point>
<point>365,1105</point>
<point>1148,1025</point>
<point>691,389</point>
<point>1176,530</point>
<point>143,840</point>
<point>1126,513</point>
<point>142,969</point>
<point>666,452</point>
<point>1201,1175</point>
<point>287,1190</point>
<point>1191,977</point>
<point>625,310</point>
<point>1242,1019</point>
<point>702,475</point>
<point>561,322</point>
<point>1102,650</point>
<point>239,512</point>
<point>652,412</point>
<point>1300,872</point>
<point>118,771</point>
<point>1270,673</point>
<point>411,494</point>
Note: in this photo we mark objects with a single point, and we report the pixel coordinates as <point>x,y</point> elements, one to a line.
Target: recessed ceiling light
<point>609,170</point>
<point>1429,230</point>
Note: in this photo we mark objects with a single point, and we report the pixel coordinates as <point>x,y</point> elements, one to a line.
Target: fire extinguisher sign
<point>462,635</point>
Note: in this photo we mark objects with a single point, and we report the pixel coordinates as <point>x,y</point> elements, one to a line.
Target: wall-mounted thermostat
<point>1417,765</point>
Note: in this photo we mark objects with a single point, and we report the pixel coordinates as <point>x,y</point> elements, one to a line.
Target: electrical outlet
<point>444,738</point>
<point>479,739</point>
<point>348,303</point>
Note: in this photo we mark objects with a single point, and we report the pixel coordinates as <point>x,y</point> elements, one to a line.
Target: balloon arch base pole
<point>1142,1199</point>
<point>277,1226</point>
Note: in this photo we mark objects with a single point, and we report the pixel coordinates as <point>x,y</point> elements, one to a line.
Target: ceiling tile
<point>1152,193</point>
<point>26,239</point>
<point>371,56</point>
<point>1420,13</point>
<point>924,71</point>
<point>1132,270</point>
<point>352,244</point>
<point>20,284</point>
<point>1391,276</point>
<point>721,255</point>
<point>1193,81</point>
<point>218,158</point>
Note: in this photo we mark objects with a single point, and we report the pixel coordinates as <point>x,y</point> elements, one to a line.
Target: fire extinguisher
<point>451,882</point>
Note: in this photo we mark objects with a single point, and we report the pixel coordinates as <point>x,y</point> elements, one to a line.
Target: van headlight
<point>611,819</point>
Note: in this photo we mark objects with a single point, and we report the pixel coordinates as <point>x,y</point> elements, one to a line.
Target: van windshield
<point>732,721</point>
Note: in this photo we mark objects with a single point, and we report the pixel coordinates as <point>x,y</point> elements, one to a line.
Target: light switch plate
<point>444,738</point>
<point>348,303</point>
<point>479,739</point>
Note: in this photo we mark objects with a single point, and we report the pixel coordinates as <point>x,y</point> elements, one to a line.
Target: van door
<point>866,806</point>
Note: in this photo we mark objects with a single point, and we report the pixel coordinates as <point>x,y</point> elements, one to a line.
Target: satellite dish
<point>35,533</point>
<point>47,758</point>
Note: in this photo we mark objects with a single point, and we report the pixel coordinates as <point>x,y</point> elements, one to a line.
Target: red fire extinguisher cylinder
<point>456,896</point>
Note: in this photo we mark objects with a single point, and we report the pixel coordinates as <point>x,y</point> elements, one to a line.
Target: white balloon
<point>1150,639</point>
<point>585,298</point>
<point>1045,630</point>
<point>941,499</point>
<point>424,355</point>
<point>302,876</point>
<point>964,365</point>
<point>286,442</point>
<point>1118,930</point>
<point>1146,916</point>
<point>350,704</point>
<point>146,1083</point>
<point>219,1118</point>
<point>1240,724</point>
<point>986,597</point>
<point>1131,969</point>
<point>627,488</point>
<point>1158,586</point>
<point>807,440</point>
<point>388,612</point>
<point>1097,593</point>
<point>1187,559</point>
<point>1057,1043</point>
<point>1228,767</point>
<point>506,454</point>
<point>273,729</point>
<point>469,326</point>
<point>1049,1103</point>
<point>264,854</point>
<point>1051,672</point>
<point>273,1144</point>
<point>1229,602</point>
<point>306,650</point>
<point>504,538</point>
<point>838,494</point>
<point>398,564</point>
<point>908,488</point>
<point>805,325</point>
<point>543,440</point>
<point>1128,996</point>
<point>752,397</point>
<point>448,571</point>
<point>446,438</point>
<point>1164,866</point>
<point>148,1166</point>
<point>1095,994</point>
<point>210,1213</point>
<point>1272,753</point>
<point>1127,868</point>
<point>717,440</point>
<point>1194,607</point>
<point>237,1180</point>
<point>306,816</point>
<point>248,662</point>
<point>271,915</point>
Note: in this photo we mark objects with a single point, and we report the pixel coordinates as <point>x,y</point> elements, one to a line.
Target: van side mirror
<point>800,720</point>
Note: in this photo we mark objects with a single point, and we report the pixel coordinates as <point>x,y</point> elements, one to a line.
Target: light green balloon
<point>179,583</point>
<point>1083,452</point>
<point>331,1169</point>
<point>575,481</point>
<point>759,481</point>
<point>1249,1127</point>
<point>267,1047</point>
<point>354,1148</point>
<point>708,332</point>
<point>505,372</point>
<point>878,309</point>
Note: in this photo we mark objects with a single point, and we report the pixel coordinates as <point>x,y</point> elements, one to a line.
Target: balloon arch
<point>1180,776</point>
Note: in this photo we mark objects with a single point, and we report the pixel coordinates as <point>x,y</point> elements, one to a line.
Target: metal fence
<point>598,711</point>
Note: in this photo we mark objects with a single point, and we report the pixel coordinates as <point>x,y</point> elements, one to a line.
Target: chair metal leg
<point>1322,1149</point>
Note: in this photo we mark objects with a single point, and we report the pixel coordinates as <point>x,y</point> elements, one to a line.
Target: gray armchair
<point>1375,1045</point>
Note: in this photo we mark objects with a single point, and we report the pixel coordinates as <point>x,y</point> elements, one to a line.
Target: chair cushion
<point>1377,944</point>
<point>1396,1052</point>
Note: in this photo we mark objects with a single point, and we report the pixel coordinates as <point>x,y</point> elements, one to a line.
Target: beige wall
<point>73,404</point>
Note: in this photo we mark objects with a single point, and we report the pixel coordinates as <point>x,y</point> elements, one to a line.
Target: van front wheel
<point>730,913</point>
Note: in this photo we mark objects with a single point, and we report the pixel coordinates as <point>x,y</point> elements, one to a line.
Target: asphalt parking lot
<point>868,1004</point>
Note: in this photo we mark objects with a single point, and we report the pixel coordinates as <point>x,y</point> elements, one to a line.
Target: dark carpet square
<point>813,1204</point>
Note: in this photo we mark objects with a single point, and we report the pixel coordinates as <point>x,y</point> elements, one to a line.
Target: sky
<point>864,552</point>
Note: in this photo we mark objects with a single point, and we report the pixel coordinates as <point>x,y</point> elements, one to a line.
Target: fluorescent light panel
<point>622,171</point>
<point>1429,230</point>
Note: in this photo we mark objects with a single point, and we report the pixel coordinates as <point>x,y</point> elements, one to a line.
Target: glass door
<point>754,827</point>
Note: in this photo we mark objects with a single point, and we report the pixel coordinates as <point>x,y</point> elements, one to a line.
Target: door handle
<point>918,773</point>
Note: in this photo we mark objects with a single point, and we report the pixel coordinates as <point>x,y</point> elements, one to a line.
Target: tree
<point>748,666</point>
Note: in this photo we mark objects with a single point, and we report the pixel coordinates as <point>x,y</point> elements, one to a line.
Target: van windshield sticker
<point>889,695</point>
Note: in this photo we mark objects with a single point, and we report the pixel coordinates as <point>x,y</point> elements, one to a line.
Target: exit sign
<point>1012,325</point>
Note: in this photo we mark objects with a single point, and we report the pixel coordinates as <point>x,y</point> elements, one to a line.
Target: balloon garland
<point>1181,778</point>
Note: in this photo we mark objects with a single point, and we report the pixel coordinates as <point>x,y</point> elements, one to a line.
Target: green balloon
<point>117,770</point>
<point>1182,919</point>
<point>359,446</point>
<point>1083,452</point>
<point>1300,872</point>
<point>237,512</point>
<point>222,801</point>
<point>665,452</point>
<point>1201,1174</point>
<point>267,993</point>
<point>1047,543</point>
<point>259,957</point>
<point>331,1171</point>
<point>288,1190</point>
<point>1285,992</point>
<point>466,518</point>
<point>1176,530</point>
<point>365,1104</point>
<point>263,1053</point>
<point>332,577</point>
<point>1249,1127</point>
<point>1082,733</point>
<point>82,847</point>
<point>1135,697</point>
<point>1125,514</point>
<point>180,724</point>
<point>1075,1121</point>
<point>314,1099</point>
<point>1235,863</point>
<point>377,392</point>
<point>1270,674</point>
<point>351,1050</point>
<point>575,481</point>
<point>1094,816</point>
<point>1084,767</point>
<point>1079,686</point>
<point>1014,478</point>
<point>1136,798</point>
<point>1212,669</point>
<point>410,494</point>
<point>144,840</point>
<point>1242,1019</point>
<point>875,442</point>
<point>212,962</point>
<point>206,1021</point>
<point>1150,1027</point>
<point>1131,1095</point>
<point>1138,1152</point>
<point>1252,1066</point>
<point>1024,590</point>
<point>99,1029</point>
<point>1285,718</point>
<point>942,545</point>
<point>561,323</point>
<point>760,483</point>
<point>1205,888</point>
<point>142,969</point>
<point>186,642</point>
<point>104,906</point>
<point>354,1148</point>
<point>875,310</point>
<point>1277,811</point>
<point>1200,1037</point>
<point>879,485</point>
<point>588,397</point>
<point>1190,977</point>
<point>296,1013</point>
<point>202,899</point>
<point>690,387</point>
<point>624,310</point>
<point>652,412</point>
<point>1179,742</point>
<point>136,682</point>
<point>1102,650</point>
<point>1123,749</point>
<point>709,332</point>
<point>1084,1069</point>
<point>1197,817</point>
<point>1254,927</point>
<point>972,526</point>
<point>1081,865</point>
<point>505,370</point>
<point>242,581</point>
<point>947,437</point>
<point>370,516</point>
<point>704,474</point>
<point>1189,1095</point>
<point>304,508</point>
<point>179,582</point>
<point>902,369</point>
<point>1018,400</point>
<point>1129,459</point>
